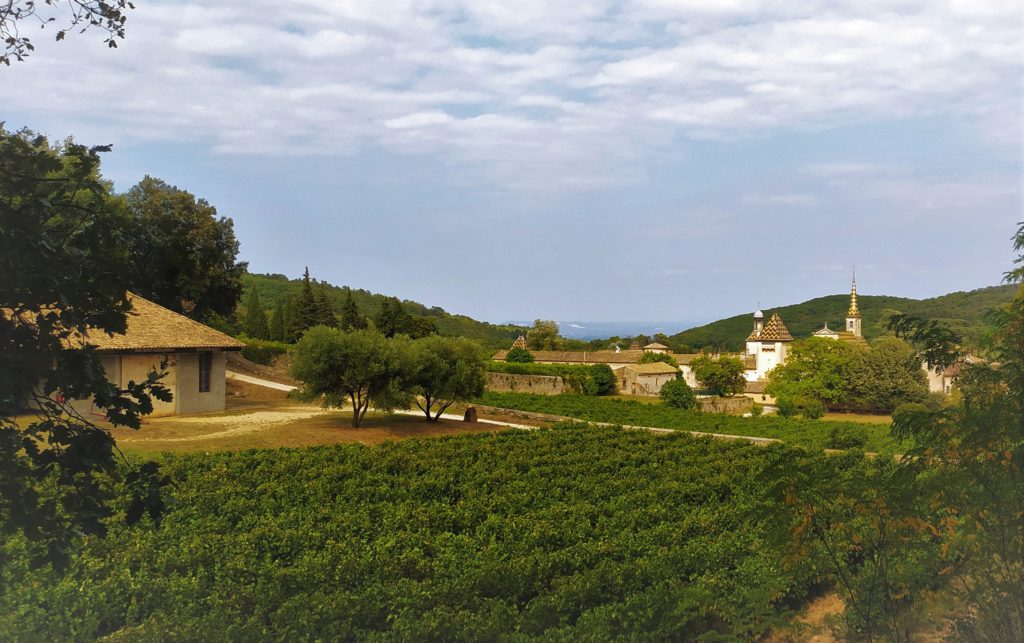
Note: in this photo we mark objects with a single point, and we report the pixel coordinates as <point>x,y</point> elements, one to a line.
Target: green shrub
<point>604,379</point>
<point>813,409</point>
<point>757,411</point>
<point>678,394</point>
<point>845,437</point>
<point>262,351</point>
<point>787,407</point>
<point>519,356</point>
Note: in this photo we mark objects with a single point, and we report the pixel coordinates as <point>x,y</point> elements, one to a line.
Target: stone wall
<point>537,384</point>
<point>737,405</point>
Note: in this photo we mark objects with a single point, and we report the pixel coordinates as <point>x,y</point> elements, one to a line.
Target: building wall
<point>136,367</point>
<point>187,394</point>
<point>643,384</point>
<point>182,379</point>
<point>688,375</point>
<point>514,383</point>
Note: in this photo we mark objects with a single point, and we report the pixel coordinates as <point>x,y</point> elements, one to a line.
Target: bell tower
<point>853,314</point>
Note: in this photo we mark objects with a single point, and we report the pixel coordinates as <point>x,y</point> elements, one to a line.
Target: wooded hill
<point>274,289</point>
<point>963,311</point>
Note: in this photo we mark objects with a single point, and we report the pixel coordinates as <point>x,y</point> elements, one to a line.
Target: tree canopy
<point>65,260</point>
<point>838,374</point>
<point>361,368</point>
<point>543,336</point>
<point>722,376</point>
<point>445,370</point>
<point>108,16</point>
<point>182,256</point>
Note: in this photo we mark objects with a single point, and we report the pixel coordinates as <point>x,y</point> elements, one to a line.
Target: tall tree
<point>393,319</point>
<point>278,331</point>
<point>256,324</point>
<point>816,369</point>
<point>182,255</point>
<point>64,261</point>
<point>887,375</point>
<point>351,318</point>
<point>324,314</point>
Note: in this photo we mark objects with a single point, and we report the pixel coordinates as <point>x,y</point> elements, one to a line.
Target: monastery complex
<point>767,347</point>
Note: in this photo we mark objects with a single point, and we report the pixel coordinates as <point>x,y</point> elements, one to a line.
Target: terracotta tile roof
<point>656,345</point>
<point>755,387</point>
<point>774,331</point>
<point>652,368</point>
<point>151,327</point>
<point>572,356</point>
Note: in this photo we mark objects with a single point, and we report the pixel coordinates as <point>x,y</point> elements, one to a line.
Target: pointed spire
<point>854,311</point>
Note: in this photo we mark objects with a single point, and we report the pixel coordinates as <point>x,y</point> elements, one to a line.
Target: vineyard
<point>567,533</point>
<point>811,434</point>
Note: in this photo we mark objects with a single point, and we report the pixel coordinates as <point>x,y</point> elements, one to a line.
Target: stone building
<point>195,357</point>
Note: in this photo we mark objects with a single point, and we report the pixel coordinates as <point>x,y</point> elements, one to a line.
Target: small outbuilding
<point>646,379</point>
<point>195,357</point>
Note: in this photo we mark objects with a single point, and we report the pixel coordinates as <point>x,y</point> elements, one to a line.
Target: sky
<point>593,160</point>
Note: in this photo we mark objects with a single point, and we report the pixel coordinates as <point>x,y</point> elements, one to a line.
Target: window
<point>205,369</point>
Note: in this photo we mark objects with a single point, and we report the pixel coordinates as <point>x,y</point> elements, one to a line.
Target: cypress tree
<point>351,318</point>
<point>255,317</point>
<point>277,324</point>
<point>324,308</point>
<point>385,321</point>
<point>293,328</point>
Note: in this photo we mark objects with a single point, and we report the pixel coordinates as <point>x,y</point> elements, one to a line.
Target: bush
<point>678,394</point>
<point>813,409</point>
<point>650,358</point>
<point>757,411</point>
<point>604,380</point>
<point>845,437</point>
<point>787,407</point>
<point>519,356</point>
<point>262,351</point>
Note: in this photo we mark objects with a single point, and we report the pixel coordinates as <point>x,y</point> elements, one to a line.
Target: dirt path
<point>234,424</point>
<point>249,379</point>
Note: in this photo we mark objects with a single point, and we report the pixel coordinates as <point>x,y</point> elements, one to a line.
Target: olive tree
<point>445,370</point>
<point>361,368</point>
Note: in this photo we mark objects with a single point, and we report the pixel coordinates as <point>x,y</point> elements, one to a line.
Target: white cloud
<point>534,91</point>
<point>779,199</point>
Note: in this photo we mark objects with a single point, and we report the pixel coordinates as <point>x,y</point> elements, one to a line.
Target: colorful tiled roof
<point>775,331</point>
<point>520,342</point>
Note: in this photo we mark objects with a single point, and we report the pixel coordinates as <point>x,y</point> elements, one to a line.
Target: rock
<point>470,415</point>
